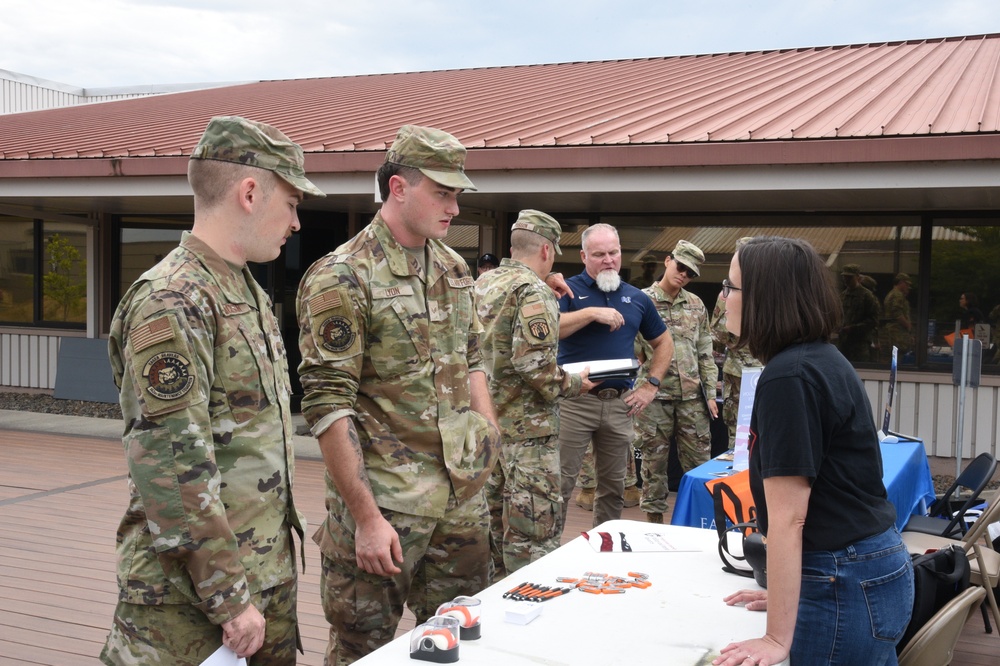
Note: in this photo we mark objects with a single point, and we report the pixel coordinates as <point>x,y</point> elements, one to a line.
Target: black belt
<point>607,393</point>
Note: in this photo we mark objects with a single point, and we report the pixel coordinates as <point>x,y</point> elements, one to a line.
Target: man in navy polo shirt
<point>600,321</point>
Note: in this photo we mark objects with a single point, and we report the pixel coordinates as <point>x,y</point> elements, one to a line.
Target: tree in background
<point>61,283</point>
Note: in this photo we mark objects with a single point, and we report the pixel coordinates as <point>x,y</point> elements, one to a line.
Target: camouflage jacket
<point>896,307</point>
<point>861,311</point>
<point>208,436</point>
<point>393,348</point>
<point>724,342</point>
<point>521,319</point>
<point>693,365</point>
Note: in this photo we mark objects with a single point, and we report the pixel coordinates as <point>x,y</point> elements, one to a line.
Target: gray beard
<point>608,281</point>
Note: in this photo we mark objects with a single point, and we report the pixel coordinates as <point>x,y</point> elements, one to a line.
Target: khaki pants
<point>606,423</point>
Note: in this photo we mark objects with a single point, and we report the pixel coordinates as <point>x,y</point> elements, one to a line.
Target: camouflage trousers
<point>731,385</point>
<point>588,477</point>
<point>181,635</point>
<point>442,558</point>
<point>525,500</point>
<point>685,420</point>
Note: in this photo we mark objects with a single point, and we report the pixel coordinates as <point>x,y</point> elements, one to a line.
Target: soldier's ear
<point>247,192</point>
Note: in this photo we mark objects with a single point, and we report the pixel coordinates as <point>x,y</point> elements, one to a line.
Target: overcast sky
<point>110,43</point>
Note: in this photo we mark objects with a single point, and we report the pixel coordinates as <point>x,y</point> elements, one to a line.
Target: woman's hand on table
<point>755,600</point>
<point>764,651</point>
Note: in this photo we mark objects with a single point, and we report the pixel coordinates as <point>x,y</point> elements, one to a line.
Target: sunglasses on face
<point>728,288</point>
<point>681,268</point>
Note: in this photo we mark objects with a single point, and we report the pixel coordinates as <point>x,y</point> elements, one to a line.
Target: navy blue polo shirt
<point>597,342</point>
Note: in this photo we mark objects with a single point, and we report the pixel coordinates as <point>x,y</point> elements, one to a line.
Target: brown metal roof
<point>920,88</point>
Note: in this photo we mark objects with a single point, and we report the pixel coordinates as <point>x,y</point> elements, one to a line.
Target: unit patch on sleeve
<point>539,328</point>
<point>337,333</point>
<point>167,375</point>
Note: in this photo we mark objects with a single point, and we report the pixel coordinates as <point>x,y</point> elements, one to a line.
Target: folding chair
<point>943,518</point>
<point>984,561</point>
<point>934,643</point>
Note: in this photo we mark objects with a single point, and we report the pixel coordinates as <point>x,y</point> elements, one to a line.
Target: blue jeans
<point>855,603</point>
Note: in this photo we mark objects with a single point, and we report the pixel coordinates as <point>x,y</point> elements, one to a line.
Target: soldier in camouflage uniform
<point>395,390</point>
<point>897,329</point>
<point>205,550</point>
<point>724,342</point>
<point>869,283</point>
<point>685,399</point>
<point>861,312</point>
<point>648,276</point>
<point>521,319</point>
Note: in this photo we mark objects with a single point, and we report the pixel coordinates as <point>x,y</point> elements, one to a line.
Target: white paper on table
<point>224,657</point>
<point>649,540</point>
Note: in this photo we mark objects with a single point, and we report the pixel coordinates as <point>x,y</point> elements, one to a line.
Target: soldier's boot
<point>654,518</point>
<point>585,499</point>
<point>631,496</point>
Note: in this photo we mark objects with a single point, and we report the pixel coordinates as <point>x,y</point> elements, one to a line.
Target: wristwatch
<point>654,381</point>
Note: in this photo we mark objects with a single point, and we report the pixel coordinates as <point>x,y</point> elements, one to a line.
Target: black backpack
<point>938,577</point>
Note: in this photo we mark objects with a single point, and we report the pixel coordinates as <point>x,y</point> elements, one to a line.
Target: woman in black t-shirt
<point>840,583</point>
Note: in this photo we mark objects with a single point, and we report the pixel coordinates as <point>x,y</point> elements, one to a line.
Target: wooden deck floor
<point>61,498</point>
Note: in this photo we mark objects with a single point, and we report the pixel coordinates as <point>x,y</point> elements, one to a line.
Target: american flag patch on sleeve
<point>151,333</point>
<point>328,300</point>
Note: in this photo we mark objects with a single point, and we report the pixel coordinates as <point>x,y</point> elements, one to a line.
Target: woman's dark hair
<point>788,296</point>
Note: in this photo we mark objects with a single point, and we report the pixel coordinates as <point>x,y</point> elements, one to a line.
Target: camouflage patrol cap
<point>540,223</point>
<point>743,241</point>
<point>869,283</point>
<point>648,259</point>
<point>435,153</point>
<point>902,277</point>
<point>851,269</point>
<point>690,255</point>
<point>248,142</point>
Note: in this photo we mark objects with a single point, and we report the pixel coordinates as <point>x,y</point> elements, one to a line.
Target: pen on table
<point>513,591</point>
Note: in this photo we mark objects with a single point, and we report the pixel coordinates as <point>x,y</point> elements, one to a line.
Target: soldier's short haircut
<point>211,180</point>
<point>788,296</point>
<point>526,243</point>
<point>593,228</point>
<point>390,169</point>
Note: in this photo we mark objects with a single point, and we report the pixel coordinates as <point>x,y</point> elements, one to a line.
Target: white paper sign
<point>748,389</point>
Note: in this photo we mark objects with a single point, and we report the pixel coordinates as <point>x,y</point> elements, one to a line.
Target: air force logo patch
<point>168,376</point>
<point>337,334</point>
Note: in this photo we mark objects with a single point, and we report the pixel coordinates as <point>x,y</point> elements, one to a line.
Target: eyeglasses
<point>681,268</point>
<point>728,288</point>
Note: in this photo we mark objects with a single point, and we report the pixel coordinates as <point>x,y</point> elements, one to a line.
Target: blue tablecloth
<point>905,473</point>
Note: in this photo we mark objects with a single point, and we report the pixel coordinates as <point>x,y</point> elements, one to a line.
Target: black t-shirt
<point>811,417</point>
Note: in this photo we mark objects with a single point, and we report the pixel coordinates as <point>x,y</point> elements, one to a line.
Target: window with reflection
<point>64,272</point>
<point>43,273</point>
<point>143,248</point>
<point>964,294</point>
<point>17,270</point>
